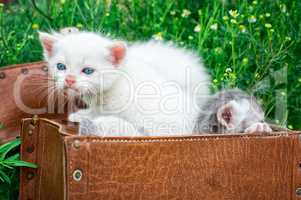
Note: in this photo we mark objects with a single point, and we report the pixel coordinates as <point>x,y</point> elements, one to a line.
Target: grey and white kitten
<point>231,111</point>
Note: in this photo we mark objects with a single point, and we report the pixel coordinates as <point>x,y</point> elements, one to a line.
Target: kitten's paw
<point>75,117</point>
<point>259,127</point>
<point>88,127</point>
<point>107,126</point>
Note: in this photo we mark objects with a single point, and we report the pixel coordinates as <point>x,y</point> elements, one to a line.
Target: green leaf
<point>4,177</point>
<point>5,165</point>
<point>19,163</point>
<point>5,148</point>
<point>13,157</point>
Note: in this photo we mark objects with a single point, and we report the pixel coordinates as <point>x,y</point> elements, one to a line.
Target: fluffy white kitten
<point>147,88</point>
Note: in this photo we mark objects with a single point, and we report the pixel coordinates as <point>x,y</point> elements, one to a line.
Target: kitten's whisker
<point>40,80</point>
<point>49,91</point>
<point>48,94</point>
<point>38,91</point>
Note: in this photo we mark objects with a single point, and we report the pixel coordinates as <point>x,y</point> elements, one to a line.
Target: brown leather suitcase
<point>207,167</point>
<point>226,167</point>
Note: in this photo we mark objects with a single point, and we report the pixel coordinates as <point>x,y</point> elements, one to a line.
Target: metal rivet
<point>30,132</point>
<point>29,175</point>
<point>24,71</point>
<point>2,75</point>
<point>77,175</point>
<point>34,120</point>
<point>76,144</point>
<point>31,128</point>
<point>45,68</point>
<point>30,149</point>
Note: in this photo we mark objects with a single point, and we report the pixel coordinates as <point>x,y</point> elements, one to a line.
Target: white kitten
<point>154,87</point>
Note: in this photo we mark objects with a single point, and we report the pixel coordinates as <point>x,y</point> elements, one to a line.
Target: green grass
<point>255,47</point>
<point>9,175</point>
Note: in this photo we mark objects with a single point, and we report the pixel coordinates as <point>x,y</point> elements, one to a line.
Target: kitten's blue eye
<point>88,70</point>
<point>61,66</point>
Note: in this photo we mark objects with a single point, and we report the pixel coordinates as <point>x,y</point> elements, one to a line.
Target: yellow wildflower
<point>233,21</point>
<point>268,26</point>
<point>242,28</point>
<point>245,61</point>
<point>79,25</point>
<point>252,19</point>
<point>283,8</point>
<point>228,70</point>
<point>158,36</point>
<point>172,12</point>
<point>225,18</point>
<point>35,26</point>
<point>197,28</point>
<point>214,26</point>
<point>185,13</point>
<point>234,13</point>
<point>218,50</point>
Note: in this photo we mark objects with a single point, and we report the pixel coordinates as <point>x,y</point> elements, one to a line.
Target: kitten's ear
<point>232,113</point>
<point>47,40</point>
<point>117,52</point>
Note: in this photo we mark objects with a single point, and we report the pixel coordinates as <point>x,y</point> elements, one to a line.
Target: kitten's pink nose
<point>70,80</point>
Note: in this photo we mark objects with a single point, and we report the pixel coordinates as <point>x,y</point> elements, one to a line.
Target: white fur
<point>239,110</point>
<point>244,118</point>
<point>156,87</point>
<point>258,128</point>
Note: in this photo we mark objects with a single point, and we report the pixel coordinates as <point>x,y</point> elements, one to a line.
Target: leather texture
<point>207,167</point>
<point>26,83</point>
<point>42,144</point>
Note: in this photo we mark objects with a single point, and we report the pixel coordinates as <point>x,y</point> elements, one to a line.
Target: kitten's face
<point>237,115</point>
<point>82,62</point>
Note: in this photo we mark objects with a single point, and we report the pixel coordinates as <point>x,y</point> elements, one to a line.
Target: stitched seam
<point>40,142</point>
<point>294,170</point>
<point>71,174</point>
<point>100,140</point>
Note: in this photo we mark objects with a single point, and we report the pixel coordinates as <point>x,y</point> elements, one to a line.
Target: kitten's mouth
<point>71,91</point>
<point>70,88</point>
